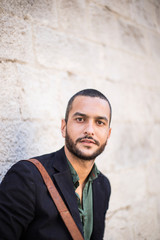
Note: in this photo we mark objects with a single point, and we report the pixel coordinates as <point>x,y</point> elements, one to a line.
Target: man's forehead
<point>87,99</point>
<point>87,103</point>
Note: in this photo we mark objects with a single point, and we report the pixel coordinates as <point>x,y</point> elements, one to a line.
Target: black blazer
<point>27,211</point>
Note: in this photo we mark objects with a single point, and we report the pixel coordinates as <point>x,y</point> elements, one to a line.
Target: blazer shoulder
<point>104,180</point>
<point>55,161</point>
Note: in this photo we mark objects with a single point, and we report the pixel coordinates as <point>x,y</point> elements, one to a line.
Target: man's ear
<point>109,132</point>
<point>63,128</point>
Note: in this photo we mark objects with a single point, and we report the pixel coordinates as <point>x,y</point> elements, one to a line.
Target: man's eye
<point>100,123</point>
<point>79,119</point>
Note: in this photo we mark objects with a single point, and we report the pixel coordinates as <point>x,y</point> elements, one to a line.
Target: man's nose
<point>89,128</point>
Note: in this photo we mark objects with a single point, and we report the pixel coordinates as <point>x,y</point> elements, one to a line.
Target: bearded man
<point>27,211</point>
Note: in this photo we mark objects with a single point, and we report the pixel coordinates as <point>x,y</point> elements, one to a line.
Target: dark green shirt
<point>86,208</point>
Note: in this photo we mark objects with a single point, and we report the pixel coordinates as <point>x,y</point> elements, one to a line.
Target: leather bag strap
<point>62,208</point>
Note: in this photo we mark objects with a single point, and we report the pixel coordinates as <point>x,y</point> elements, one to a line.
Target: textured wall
<point>49,50</point>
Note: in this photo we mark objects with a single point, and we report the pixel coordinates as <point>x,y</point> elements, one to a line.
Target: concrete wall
<point>49,50</point>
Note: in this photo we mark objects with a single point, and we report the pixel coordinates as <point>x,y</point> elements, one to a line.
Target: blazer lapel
<point>65,186</point>
<point>99,203</point>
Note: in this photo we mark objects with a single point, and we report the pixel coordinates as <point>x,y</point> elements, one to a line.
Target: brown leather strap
<point>62,208</point>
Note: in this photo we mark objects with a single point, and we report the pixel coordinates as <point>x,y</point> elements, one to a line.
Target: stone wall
<point>51,49</point>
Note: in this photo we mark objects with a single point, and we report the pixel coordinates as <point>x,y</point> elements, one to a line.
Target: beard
<point>71,146</point>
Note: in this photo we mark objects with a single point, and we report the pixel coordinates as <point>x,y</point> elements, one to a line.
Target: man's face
<point>87,129</point>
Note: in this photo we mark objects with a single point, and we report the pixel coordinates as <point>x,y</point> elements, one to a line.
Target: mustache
<point>87,137</point>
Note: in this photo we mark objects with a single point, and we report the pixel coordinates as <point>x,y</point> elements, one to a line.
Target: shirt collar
<point>92,176</point>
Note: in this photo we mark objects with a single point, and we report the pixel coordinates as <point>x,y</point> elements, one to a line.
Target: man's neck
<point>82,167</point>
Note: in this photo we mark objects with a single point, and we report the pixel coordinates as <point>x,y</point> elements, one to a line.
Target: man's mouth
<point>88,140</point>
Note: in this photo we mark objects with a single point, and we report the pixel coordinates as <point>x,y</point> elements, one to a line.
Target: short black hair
<point>87,93</point>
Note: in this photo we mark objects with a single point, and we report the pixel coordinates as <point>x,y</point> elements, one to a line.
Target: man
<point>27,211</point>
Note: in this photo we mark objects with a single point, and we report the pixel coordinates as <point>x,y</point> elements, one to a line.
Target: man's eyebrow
<point>79,114</point>
<point>84,115</point>
<point>102,118</point>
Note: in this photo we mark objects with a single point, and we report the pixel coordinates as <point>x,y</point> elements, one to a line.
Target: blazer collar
<point>60,161</point>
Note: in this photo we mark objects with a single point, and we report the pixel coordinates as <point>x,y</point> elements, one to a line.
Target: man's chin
<point>86,156</point>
